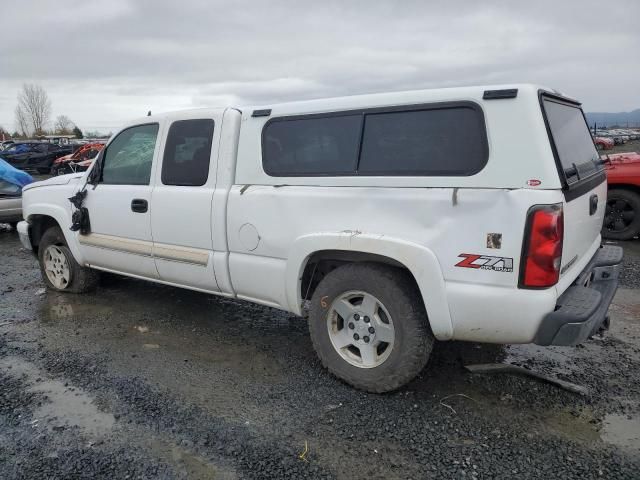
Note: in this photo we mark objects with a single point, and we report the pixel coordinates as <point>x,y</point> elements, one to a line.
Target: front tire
<point>59,269</point>
<point>622,215</point>
<point>369,326</point>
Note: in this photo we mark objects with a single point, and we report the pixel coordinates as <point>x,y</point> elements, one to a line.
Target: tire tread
<point>418,336</point>
<point>83,279</point>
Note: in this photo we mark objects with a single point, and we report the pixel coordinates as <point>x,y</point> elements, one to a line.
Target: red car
<point>603,143</point>
<point>75,162</point>
<point>622,217</point>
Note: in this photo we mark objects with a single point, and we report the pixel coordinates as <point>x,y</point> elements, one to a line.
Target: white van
<point>397,219</point>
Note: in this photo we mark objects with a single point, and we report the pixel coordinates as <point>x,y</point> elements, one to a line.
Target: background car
<point>622,215</point>
<point>603,143</point>
<point>11,182</point>
<point>34,156</point>
<point>75,162</point>
<point>6,144</point>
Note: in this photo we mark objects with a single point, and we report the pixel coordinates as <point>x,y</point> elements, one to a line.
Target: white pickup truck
<point>395,219</point>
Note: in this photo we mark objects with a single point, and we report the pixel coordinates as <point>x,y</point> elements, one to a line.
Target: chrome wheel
<point>56,266</point>
<point>360,329</point>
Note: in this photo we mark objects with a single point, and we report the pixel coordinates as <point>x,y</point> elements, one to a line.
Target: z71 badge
<point>486,262</point>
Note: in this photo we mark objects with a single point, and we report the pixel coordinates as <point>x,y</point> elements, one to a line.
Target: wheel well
<point>320,263</point>
<point>625,186</point>
<point>39,225</point>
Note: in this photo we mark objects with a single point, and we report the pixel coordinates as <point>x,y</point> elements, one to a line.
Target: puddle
<point>196,466</point>
<point>60,307</point>
<point>615,429</point>
<point>621,431</point>
<point>581,427</point>
<point>64,406</point>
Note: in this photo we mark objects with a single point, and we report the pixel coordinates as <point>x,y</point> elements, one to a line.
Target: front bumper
<point>24,231</point>
<point>582,309</point>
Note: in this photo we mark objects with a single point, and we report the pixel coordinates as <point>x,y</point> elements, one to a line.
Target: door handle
<point>139,205</point>
<point>593,204</point>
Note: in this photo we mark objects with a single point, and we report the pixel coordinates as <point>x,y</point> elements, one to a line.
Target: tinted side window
<point>187,153</point>
<point>572,138</point>
<point>311,146</point>
<point>447,141</point>
<point>128,158</point>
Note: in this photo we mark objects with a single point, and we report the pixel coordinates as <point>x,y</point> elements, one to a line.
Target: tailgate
<point>582,225</point>
<point>583,179</point>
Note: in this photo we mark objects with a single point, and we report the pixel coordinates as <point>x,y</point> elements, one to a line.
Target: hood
<point>623,158</point>
<point>59,180</point>
<point>63,159</point>
<point>87,163</point>
<point>624,168</point>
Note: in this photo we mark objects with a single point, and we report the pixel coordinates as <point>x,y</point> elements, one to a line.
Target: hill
<point>620,118</point>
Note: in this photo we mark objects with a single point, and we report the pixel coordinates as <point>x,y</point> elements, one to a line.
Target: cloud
<point>105,62</point>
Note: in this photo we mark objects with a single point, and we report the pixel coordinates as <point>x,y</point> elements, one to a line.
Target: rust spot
<point>323,301</point>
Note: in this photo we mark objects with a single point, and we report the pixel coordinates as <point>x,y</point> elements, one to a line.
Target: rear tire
<point>381,338</point>
<point>59,269</point>
<point>622,215</point>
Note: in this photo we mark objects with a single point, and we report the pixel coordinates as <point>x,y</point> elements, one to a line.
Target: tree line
<point>33,116</point>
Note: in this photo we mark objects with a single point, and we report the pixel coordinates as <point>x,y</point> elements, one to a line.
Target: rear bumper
<point>582,309</point>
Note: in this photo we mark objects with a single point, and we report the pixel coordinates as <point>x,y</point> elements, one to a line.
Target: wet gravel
<point>630,275</point>
<point>145,381</point>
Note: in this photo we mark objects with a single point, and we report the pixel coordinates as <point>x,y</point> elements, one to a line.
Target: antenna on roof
<point>149,113</point>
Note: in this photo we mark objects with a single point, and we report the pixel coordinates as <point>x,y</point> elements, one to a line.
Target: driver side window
<point>128,158</point>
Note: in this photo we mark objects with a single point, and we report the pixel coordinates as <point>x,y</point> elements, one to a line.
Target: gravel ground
<point>140,380</point>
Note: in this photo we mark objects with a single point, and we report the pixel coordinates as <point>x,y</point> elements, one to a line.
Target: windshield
<point>572,138</point>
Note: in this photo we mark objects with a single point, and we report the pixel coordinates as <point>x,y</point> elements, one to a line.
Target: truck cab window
<point>128,158</point>
<point>187,153</point>
<point>311,146</point>
<point>434,141</point>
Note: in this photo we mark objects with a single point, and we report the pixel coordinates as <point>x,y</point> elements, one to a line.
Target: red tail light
<point>542,249</point>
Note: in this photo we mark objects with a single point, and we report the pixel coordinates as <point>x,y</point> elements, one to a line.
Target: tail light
<point>542,249</point>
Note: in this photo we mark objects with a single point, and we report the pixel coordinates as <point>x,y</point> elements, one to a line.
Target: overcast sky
<point>104,62</point>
